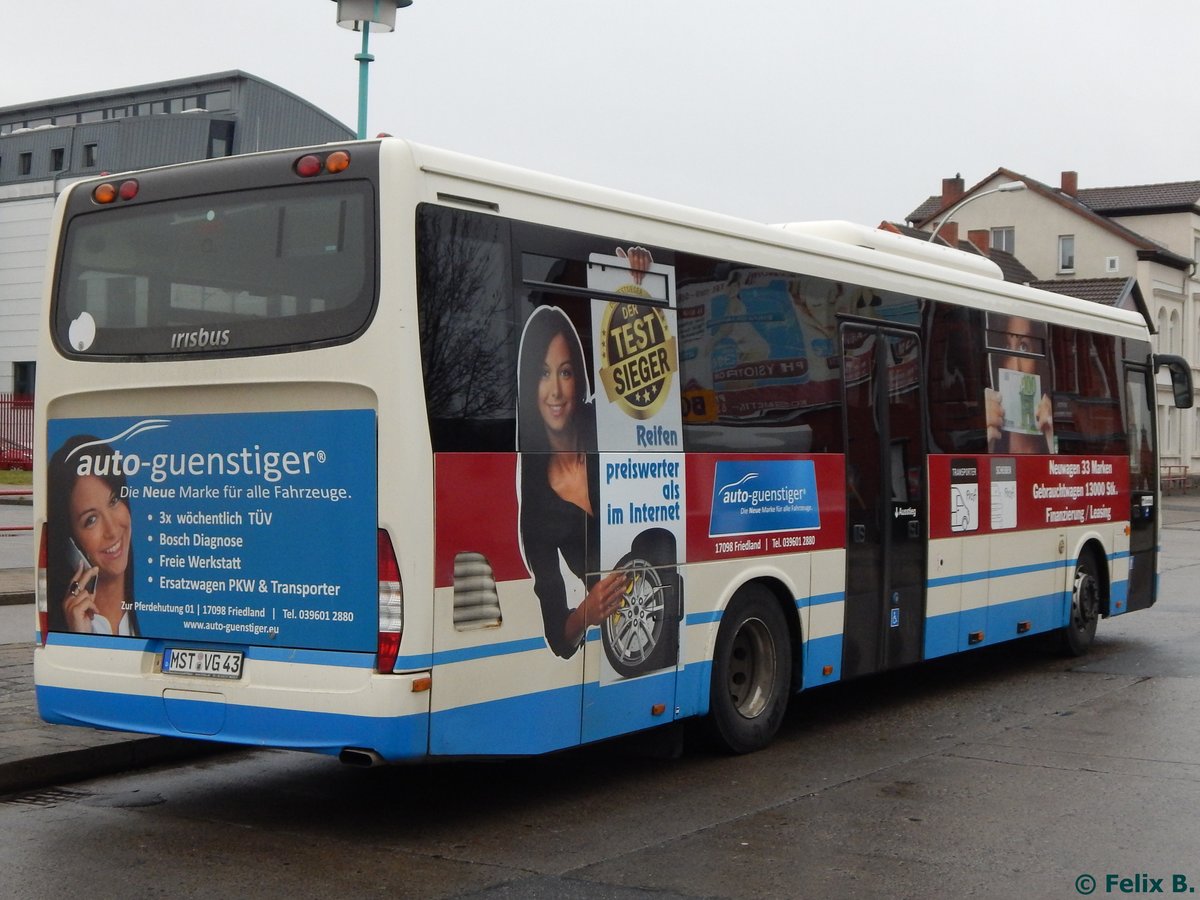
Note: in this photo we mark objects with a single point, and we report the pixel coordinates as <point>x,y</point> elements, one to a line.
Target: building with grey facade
<point>46,144</point>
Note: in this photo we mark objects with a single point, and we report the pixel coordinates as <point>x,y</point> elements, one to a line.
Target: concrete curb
<point>35,772</point>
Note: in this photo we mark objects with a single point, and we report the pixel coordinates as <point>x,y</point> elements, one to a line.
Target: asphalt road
<point>1007,772</point>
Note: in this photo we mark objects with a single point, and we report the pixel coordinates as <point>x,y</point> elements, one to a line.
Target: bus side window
<point>467,331</point>
<point>955,378</point>
<point>1087,406</point>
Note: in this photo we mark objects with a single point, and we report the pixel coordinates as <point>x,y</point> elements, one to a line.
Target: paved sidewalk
<point>34,754</point>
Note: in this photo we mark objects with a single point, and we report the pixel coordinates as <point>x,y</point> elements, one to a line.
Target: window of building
<point>92,115</point>
<point>25,163</point>
<point>57,159</point>
<point>218,100</point>
<point>90,155</point>
<point>1066,253</point>
<point>161,106</point>
<point>23,377</point>
<point>1169,423</point>
<point>220,139</point>
<point>1004,239</point>
<point>38,123</point>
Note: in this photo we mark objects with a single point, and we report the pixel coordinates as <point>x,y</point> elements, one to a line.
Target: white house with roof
<point>1140,242</point>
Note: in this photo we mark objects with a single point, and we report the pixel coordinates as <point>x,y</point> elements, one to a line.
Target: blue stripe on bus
<point>628,705</point>
<point>987,574</point>
<point>714,615</point>
<point>819,653</point>
<point>820,599</point>
<point>537,722</point>
<point>948,633</point>
<point>486,651</point>
<point>1119,597</point>
<point>394,737</point>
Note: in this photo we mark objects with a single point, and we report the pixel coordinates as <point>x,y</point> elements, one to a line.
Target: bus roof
<point>883,260</point>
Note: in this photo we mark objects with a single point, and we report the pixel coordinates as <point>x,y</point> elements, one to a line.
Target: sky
<point>772,110</point>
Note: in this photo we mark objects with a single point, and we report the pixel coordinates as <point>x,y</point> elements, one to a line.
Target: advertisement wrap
<point>992,495</point>
<point>254,528</point>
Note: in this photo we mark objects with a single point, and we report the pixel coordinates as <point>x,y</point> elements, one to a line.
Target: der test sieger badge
<point>637,356</point>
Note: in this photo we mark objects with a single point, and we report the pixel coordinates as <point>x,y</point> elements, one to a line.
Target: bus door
<point>884,416</point>
<point>1143,487</point>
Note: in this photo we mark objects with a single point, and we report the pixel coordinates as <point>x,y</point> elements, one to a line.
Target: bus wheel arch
<point>1089,600</point>
<point>752,668</point>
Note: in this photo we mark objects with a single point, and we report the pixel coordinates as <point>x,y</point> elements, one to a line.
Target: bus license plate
<point>213,663</point>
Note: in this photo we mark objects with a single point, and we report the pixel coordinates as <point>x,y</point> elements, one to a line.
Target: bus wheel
<point>752,666</point>
<point>1079,632</point>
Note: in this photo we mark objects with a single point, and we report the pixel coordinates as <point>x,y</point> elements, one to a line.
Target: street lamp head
<point>375,15</point>
<point>1007,188</point>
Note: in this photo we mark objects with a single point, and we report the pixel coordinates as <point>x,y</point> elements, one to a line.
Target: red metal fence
<point>16,420</point>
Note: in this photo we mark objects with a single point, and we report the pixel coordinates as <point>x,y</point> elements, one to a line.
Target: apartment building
<point>1133,246</point>
<point>47,144</point>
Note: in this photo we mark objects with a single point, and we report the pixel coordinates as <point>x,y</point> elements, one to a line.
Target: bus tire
<point>751,672</point>
<point>1075,638</point>
<point>643,636</point>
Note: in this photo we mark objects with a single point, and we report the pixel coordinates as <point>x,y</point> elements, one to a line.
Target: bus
<point>389,453</point>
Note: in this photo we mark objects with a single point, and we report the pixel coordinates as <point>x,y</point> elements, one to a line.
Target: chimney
<point>982,239</point>
<point>1070,183</point>
<point>952,190</point>
<point>949,234</point>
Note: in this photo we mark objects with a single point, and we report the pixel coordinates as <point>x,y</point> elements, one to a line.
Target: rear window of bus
<point>243,272</point>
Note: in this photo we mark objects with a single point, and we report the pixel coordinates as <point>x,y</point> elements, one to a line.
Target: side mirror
<point>1181,377</point>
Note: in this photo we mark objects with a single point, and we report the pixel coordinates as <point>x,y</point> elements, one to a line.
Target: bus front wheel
<point>752,665</point>
<point>1079,632</point>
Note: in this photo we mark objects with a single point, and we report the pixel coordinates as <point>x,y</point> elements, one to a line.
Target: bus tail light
<point>337,161</point>
<point>40,595</point>
<point>108,192</point>
<point>308,166</point>
<point>391,605</point>
<point>312,164</point>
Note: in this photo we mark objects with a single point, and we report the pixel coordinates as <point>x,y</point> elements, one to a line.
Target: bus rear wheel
<point>752,665</point>
<point>1079,632</point>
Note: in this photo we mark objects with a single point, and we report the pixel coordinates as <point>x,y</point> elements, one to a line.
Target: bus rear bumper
<point>323,709</point>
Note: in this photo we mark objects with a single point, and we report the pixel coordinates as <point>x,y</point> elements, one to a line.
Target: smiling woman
<point>90,575</point>
<point>558,488</point>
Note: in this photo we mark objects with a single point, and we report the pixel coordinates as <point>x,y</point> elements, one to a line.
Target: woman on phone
<point>559,480</point>
<point>90,578</point>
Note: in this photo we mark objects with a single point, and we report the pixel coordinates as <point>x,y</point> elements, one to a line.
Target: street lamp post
<point>367,16</point>
<point>1007,188</point>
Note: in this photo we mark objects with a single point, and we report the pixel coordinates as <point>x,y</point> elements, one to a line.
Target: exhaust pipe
<point>363,758</point>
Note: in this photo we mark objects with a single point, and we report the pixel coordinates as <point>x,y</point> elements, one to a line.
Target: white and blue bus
<point>388,453</point>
